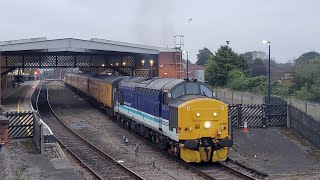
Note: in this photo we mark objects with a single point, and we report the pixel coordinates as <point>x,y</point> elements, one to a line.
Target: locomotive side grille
<point>173,121</point>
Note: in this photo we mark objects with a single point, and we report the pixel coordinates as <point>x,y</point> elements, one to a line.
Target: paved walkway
<point>12,99</point>
<point>276,151</point>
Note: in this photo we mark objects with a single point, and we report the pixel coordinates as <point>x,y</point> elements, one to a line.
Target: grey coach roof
<point>77,45</point>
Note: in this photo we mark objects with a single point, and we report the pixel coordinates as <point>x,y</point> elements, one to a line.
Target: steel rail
<point>96,174</point>
<point>228,169</point>
<point>237,172</point>
<point>201,172</point>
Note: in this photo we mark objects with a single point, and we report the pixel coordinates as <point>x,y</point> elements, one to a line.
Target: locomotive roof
<point>180,100</point>
<point>80,74</point>
<point>150,83</point>
<point>102,77</point>
<point>107,78</point>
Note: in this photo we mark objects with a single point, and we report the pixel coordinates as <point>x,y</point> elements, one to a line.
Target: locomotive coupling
<point>191,144</point>
<point>224,143</point>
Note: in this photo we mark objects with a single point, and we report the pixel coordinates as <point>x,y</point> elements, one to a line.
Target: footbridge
<point>124,58</point>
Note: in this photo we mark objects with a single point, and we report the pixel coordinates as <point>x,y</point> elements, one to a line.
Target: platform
<point>19,159</point>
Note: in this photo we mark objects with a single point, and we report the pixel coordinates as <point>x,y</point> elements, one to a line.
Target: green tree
<point>306,82</point>
<point>306,74</point>
<point>306,58</point>
<point>221,63</point>
<point>203,56</point>
<point>258,62</point>
<point>237,80</point>
<point>258,68</point>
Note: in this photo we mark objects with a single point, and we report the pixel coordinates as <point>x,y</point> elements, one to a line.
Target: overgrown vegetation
<point>248,72</point>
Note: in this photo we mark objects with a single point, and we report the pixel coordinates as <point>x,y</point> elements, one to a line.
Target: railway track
<point>225,170</point>
<point>220,171</point>
<point>96,161</point>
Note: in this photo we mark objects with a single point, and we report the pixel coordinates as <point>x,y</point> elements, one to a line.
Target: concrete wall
<point>304,124</point>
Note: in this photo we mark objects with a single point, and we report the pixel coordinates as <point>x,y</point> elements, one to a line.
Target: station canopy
<point>122,57</point>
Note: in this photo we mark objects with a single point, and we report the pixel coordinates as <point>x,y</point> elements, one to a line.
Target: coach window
<point>206,91</point>
<point>179,91</point>
<point>192,88</point>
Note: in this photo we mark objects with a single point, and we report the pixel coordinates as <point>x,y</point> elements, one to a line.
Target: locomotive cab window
<point>178,91</point>
<point>206,91</point>
<point>192,88</point>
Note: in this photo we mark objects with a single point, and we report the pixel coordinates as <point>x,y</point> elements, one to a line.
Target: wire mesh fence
<point>234,97</point>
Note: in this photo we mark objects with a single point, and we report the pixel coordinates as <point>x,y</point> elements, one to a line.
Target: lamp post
<point>228,42</point>
<point>184,52</point>
<point>151,64</point>
<point>269,80</point>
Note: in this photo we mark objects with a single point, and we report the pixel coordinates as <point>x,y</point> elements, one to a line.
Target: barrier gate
<point>258,115</point>
<point>20,124</point>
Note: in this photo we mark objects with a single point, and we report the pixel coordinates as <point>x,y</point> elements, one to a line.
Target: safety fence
<point>20,124</point>
<point>25,125</point>
<point>258,115</point>
<point>236,97</point>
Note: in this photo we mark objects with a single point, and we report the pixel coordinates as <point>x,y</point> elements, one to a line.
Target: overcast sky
<point>292,26</point>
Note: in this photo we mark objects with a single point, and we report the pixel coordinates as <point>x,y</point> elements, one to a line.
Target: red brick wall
<point>167,65</point>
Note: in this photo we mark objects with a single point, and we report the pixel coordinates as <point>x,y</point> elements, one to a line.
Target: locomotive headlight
<point>207,125</point>
<point>215,114</point>
<point>198,114</point>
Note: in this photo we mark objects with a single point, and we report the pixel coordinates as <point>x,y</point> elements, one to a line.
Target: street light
<point>184,52</point>
<point>228,42</point>
<point>151,64</point>
<point>269,88</point>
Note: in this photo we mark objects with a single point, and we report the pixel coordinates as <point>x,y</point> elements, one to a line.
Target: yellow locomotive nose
<point>202,125</point>
<point>202,117</point>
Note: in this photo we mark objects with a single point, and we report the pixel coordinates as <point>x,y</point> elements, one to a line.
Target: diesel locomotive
<point>181,116</point>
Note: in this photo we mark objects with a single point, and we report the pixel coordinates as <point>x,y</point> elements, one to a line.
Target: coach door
<point>137,102</point>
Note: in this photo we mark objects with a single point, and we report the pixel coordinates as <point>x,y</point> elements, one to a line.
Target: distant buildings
<point>282,73</point>
<point>193,68</point>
